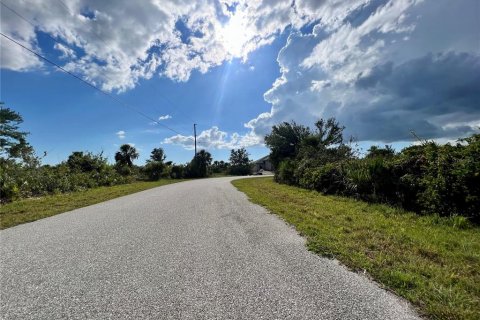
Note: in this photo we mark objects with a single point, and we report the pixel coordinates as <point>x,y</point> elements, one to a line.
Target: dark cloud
<point>428,95</point>
<point>377,74</point>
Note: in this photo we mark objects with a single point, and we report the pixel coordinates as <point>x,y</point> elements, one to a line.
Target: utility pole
<point>195,135</point>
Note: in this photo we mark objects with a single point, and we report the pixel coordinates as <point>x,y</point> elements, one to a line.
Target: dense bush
<point>327,178</point>
<point>19,180</point>
<point>178,171</point>
<point>286,172</point>
<point>154,170</point>
<point>428,178</point>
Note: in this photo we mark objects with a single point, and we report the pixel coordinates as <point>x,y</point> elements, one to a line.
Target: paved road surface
<point>192,250</point>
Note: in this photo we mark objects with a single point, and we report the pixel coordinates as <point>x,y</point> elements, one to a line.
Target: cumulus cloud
<point>67,53</point>
<point>169,37</point>
<point>115,50</point>
<point>165,117</point>
<point>120,134</point>
<point>382,71</point>
<point>12,56</point>
<point>214,138</point>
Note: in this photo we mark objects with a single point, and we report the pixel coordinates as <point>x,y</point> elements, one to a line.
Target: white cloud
<point>115,50</point>
<point>120,134</point>
<point>214,138</point>
<point>358,69</point>
<point>67,53</point>
<point>12,56</point>
<point>165,117</point>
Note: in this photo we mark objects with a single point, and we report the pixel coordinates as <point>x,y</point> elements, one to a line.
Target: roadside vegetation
<point>432,261</point>
<point>427,178</point>
<point>30,190</point>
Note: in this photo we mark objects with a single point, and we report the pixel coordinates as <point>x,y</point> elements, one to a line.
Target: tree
<point>239,162</point>
<point>157,155</point>
<point>86,162</point>
<point>155,166</point>
<point>13,143</point>
<point>126,155</point>
<point>13,146</point>
<point>198,167</point>
<point>284,141</point>
<point>325,143</point>
<point>329,132</point>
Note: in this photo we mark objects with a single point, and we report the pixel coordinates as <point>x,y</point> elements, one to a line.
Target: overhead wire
<point>67,8</point>
<point>126,105</point>
<point>33,24</point>
<point>176,109</point>
<point>67,45</point>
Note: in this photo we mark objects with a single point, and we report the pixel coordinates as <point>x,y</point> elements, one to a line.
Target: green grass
<point>28,210</point>
<point>432,262</point>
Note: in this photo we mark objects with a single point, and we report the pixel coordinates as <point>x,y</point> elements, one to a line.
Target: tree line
<point>23,175</point>
<point>427,178</point>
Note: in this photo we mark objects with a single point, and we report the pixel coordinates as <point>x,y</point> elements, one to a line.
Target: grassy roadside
<point>433,262</point>
<point>27,210</point>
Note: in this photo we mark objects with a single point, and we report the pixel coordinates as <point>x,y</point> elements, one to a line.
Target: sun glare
<point>234,35</point>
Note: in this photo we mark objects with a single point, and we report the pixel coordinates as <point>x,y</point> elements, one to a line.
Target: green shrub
<point>240,170</point>
<point>442,180</point>
<point>154,170</point>
<point>19,180</point>
<point>286,172</point>
<point>86,162</point>
<point>177,171</point>
<point>451,179</point>
<point>371,179</point>
<point>327,179</point>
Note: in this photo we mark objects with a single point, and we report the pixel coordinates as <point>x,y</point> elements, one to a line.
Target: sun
<point>234,34</point>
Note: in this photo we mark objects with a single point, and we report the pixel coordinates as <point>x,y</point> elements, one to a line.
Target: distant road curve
<point>191,250</point>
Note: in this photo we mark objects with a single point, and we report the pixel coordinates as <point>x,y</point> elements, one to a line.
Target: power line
<point>55,40</point>
<point>126,105</point>
<point>67,8</point>
<point>31,23</point>
<point>172,104</point>
<point>177,110</point>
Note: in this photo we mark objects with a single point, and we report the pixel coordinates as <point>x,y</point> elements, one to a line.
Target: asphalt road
<point>191,250</point>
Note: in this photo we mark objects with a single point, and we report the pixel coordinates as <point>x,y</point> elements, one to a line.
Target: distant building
<point>263,164</point>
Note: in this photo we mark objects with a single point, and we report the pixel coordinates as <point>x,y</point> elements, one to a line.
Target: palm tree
<point>126,155</point>
<point>204,157</point>
<point>200,163</point>
<point>157,155</point>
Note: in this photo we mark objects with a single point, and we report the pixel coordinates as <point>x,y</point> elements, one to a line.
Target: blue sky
<point>382,68</point>
<point>63,115</point>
